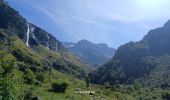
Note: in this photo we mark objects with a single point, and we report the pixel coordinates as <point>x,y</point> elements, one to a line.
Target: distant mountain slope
<point>146,61</point>
<point>34,46</point>
<point>89,52</point>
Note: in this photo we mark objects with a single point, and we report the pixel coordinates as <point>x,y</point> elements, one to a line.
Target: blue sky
<point>113,22</point>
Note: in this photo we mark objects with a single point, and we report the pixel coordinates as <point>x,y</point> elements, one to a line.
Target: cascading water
<point>48,41</point>
<point>56,47</point>
<point>32,31</point>
<point>28,32</point>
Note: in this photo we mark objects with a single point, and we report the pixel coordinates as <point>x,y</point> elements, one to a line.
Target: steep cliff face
<point>39,36</point>
<point>29,33</point>
<point>34,46</point>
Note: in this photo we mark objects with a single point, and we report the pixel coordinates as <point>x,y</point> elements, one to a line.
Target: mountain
<point>34,46</point>
<point>89,52</point>
<point>34,65</point>
<point>146,61</point>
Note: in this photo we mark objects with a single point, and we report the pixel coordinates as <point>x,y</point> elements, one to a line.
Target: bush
<point>28,93</point>
<point>59,88</point>
<point>87,82</point>
<point>7,65</point>
<point>41,76</point>
<point>7,91</point>
<point>166,96</point>
<point>137,85</point>
<point>29,76</point>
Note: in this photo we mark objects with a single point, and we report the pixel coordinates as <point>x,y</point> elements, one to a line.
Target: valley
<point>35,65</point>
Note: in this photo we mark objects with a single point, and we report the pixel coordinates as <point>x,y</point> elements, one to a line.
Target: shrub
<point>29,76</point>
<point>87,82</point>
<point>7,65</point>
<point>59,88</point>
<point>28,93</point>
<point>137,85</point>
<point>166,96</point>
<point>42,77</point>
<point>7,91</point>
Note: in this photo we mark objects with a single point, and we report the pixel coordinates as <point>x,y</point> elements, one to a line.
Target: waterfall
<point>47,41</point>
<point>33,36</point>
<point>28,32</point>
<point>56,47</point>
<point>32,31</point>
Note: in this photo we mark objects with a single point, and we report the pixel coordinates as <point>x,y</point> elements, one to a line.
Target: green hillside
<point>26,74</point>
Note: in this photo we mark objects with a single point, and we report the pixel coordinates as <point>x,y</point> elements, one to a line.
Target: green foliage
<point>7,65</point>
<point>87,82</point>
<point>137,85</point>
<point>116,87</point>
<point>166,96</point>
<point>28,94</point>
<point>7,91</point>
<point>41,76</point>
<point>59,88</point>
<point>29,76</point>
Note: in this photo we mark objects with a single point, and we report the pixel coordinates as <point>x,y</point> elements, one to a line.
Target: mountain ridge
<point>89,52</point>
<point>138,61</point>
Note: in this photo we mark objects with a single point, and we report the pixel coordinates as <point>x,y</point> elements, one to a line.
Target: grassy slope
<point>51,76</point>
<point>44,57</point>
<point>44,92</point>
<point>70,93</point>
